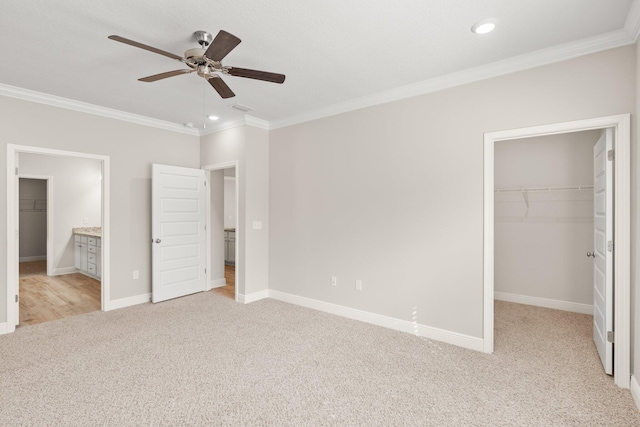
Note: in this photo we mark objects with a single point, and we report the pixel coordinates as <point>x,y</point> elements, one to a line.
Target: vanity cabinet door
<point>76,254</point>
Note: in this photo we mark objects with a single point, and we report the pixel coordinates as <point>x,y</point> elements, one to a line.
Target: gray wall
<point>33,223</point>
<point>132,149</point>
<point>414,236</point>
<point>540,250</point>
<point>76,194</point>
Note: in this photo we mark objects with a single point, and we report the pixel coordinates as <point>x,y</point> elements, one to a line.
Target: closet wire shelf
<point>33,205</point>
<point>558,204</point>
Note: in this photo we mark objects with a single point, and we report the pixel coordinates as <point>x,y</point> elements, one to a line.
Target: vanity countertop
<point>88,231</point>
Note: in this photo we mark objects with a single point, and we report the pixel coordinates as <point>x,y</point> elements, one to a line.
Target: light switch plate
<point>257,225</point>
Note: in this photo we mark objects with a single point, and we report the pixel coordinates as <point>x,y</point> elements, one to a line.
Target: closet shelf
<point>543,189</point>
<point>33,205</point>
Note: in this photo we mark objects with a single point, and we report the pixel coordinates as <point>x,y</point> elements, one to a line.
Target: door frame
<point>621,125</point>
<point>13,152</point>
<point>239,229</point>
<point>49,181</point>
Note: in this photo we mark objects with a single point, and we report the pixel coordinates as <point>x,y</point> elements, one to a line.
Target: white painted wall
<point>230,214</point>
<point>248,146</point>
<point>217,211</point>
<point>76,195</point>
<point>414,236</point>
<point>540,251</point>
<point>33,223</point>
<point>132,149</point>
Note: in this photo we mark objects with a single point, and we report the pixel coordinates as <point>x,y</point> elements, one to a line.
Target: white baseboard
<point>635,391</point>
<point>62,271</point>
<point>127,302</point>
<point>544,302</point>
<point>217,283</point>
<point>256,296</point>
<point>32,258</point>
<point>425,331</point>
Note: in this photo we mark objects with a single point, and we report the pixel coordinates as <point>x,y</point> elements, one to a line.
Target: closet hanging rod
<point>542,189</point>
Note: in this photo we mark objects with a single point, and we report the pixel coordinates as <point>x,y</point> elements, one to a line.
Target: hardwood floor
<point>44,298</point>
<point>228,290</point>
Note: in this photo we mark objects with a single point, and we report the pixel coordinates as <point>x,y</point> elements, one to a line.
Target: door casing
<point>621,125</point>
<point>12,223</point>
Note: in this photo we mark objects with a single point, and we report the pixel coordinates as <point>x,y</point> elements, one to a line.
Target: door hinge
<point>16,297</point>
<point>205,271</point>
<point>610,337</point>
<point>611,155</point>
<point>610,246</point>
<point>16,171</point>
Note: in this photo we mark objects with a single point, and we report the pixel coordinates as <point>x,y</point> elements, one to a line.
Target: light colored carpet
<point>206,360</point>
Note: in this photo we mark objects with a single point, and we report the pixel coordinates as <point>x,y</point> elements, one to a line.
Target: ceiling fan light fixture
<point>484,27</point>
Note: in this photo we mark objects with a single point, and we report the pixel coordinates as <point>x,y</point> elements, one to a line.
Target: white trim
<point>32,258</point>
<point>70,104</point>
<point>545,302</point>
<point>621,125</point>
<point>3,328</point>
<point>230,178</point>
<point>538,58</point>
<point>230,124</point>
<point>12,223</point>
<point>257,123</point>
<point>635,390</point>
<point>455,338</point>
<point>256,296</point>
<point>632,24</point>
<point>64,270</point>
<point>128,302</point>
<point>217,283</point>
<point>239,230</point>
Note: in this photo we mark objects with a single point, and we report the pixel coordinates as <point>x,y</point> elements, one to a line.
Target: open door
<point>178,221</point>
<point>603,249</point>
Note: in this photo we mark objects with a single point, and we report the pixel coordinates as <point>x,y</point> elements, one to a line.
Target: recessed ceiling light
<point>484,27</point>
<point>212,117</point>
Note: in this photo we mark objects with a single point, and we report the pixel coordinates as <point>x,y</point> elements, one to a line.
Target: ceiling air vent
<point>242,108</point>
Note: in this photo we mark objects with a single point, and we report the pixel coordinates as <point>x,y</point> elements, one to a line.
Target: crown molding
<point>538,58</point>
<point>230,124</point>
<point>632,24</point>
<point>83,107</point>
<point>256,122</point>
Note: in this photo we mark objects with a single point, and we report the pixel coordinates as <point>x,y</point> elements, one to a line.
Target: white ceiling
<point>333,52</point>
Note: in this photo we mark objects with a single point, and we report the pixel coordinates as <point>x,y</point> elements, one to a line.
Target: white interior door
<point>603,249</point>
<point>178,232</point>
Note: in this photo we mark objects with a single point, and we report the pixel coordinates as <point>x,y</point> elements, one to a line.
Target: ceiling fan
<point>206,61</point>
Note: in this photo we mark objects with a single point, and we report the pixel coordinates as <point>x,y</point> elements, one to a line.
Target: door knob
<point>591,254</point>
<point>158,240</point>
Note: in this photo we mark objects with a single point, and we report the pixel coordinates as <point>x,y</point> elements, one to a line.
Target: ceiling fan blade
<point>221,87</point>
<point>221,46</point>
<point>145,47</point>
<point>165,75</point>
<point>255,74</point>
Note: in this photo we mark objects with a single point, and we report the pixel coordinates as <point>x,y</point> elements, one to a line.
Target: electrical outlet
<point>334,281</point>
<point>136,274</point>
<point>358,285</point>
<point>85,220</point>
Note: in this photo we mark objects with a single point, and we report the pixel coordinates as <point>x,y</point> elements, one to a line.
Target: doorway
<point>60,273</point>
<point>224,230</point>
<point>620,126</point>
